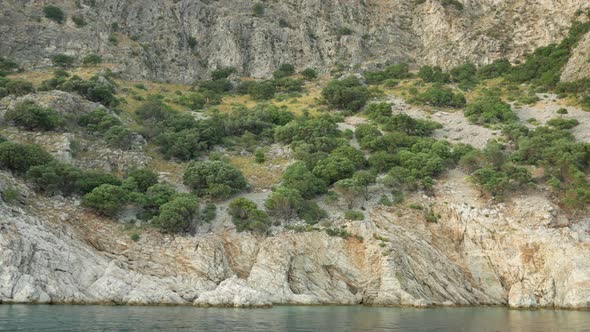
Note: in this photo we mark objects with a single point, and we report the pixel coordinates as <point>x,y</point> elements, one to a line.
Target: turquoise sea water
<point>285,318</point>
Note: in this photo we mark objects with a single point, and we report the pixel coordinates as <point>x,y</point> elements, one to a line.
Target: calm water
<point>285,318</point>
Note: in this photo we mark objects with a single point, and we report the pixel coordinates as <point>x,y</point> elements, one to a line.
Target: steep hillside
<point>183,41</point>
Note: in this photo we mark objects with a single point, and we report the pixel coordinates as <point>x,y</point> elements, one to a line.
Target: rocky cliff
<point>53,251</point>
<point>184,40</point>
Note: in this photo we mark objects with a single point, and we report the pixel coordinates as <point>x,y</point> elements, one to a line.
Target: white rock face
<point>51,251</point>
<point>233,292</point>
<point>185,40</point>
<point>578,66</point>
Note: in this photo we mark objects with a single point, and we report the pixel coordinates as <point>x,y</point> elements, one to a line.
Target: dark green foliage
<point>20,157</point>
<point>285,70</point>
<point>98,88</point>
<point>354,215</point>
<point>298,177</point>
<point>144,178</point>
<point>55,177</point>
<point>214,178</point>
<point>259,156</point>
<point>465,75</point>
<point>30,116</point>
<point>441,97</point>
<point>209,212</point>
<point>79,20</point>
<point>179,215</point>
<point>99,121</point>
<point>393,72</point>
<point>54,13</point>
<point>16,87</point>
<point>264,90</point>
<point>158,195</point>
<point>562,111</point>
<point>7,66</point>
<point>93,179</point>
<point>92,60</point>
<point>179,135</point>
<point>258,9</point>
<point>222,73</point>
<point>344,31</point>
<point>495,69</point>
<point>333,168</point>
<point>312,213</point>
<point>120,137</point>
<point>347,94</point>
<point>489,109</point>
<point>561,123</point>
<point>355,156</point>
<point>454,3</point>
<point>309,73</point>
<point>62,60</point>
<point>247,217</point>
<point>498,181</point>
<point>284,202</point>
<point>106,199</point>
<point>433,75</point>
<point>191,42</point>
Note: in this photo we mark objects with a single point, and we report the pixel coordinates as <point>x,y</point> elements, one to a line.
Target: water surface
<point>285,318</point>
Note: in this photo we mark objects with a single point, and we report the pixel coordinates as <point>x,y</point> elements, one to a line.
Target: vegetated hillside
<point>300,188</point>
<point>182,41</point>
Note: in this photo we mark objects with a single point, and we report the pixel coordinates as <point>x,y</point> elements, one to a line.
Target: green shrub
<point>20,157</point>
<point>441,97</point>
<point>298,177</point>
<point>92,60</point>
<point>259,156</point>
<point>99,121</point>
<point>309,74</point>
<point>390,73</point>
<point>222,73</point>
<point>495,69</point>
<point>433,74</point>
<point>285,70</point>
<point>55,177</point>
<point>214,178</point>
<point>561,123</point>
<point>119,137</point>
<point>93,179</point>
<point>79,20</point>
<point>209,212</point>
<point>106,199</point>
<point>333,168</point>
<point>33,117</point>
<point>454,3</point>
<point>284,202</point>
<point>54,13</point>
<point>134,237</point>
<point>144,178</point>
<point>465,75</point>
<point>562,111</point>
<point>62,60</point>
<point>247,217</point>
<point>258,9</point>
<point>264,90</point>
<point>347,94</point>
<point>312,213</point>
<point>10,195</point>
<point>179,215</point>
<point>18,87</point>
<point>489,109</point>
<point>354,215</point>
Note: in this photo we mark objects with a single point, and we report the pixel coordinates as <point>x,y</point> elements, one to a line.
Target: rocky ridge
<point>185,40</point>
<point>478,253</point>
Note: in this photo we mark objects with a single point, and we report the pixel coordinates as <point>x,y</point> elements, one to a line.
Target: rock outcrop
<point>185,40</point>
<point>52,251</point>
<point>578,66</point>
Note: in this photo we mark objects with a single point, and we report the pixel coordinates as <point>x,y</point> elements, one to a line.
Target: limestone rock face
<point>185,40</point>
<point>578,66</point>
<point>233,292</point>
<point>53,251</point>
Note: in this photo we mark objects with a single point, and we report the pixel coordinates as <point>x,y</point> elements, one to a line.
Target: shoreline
<point>482,306</point>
